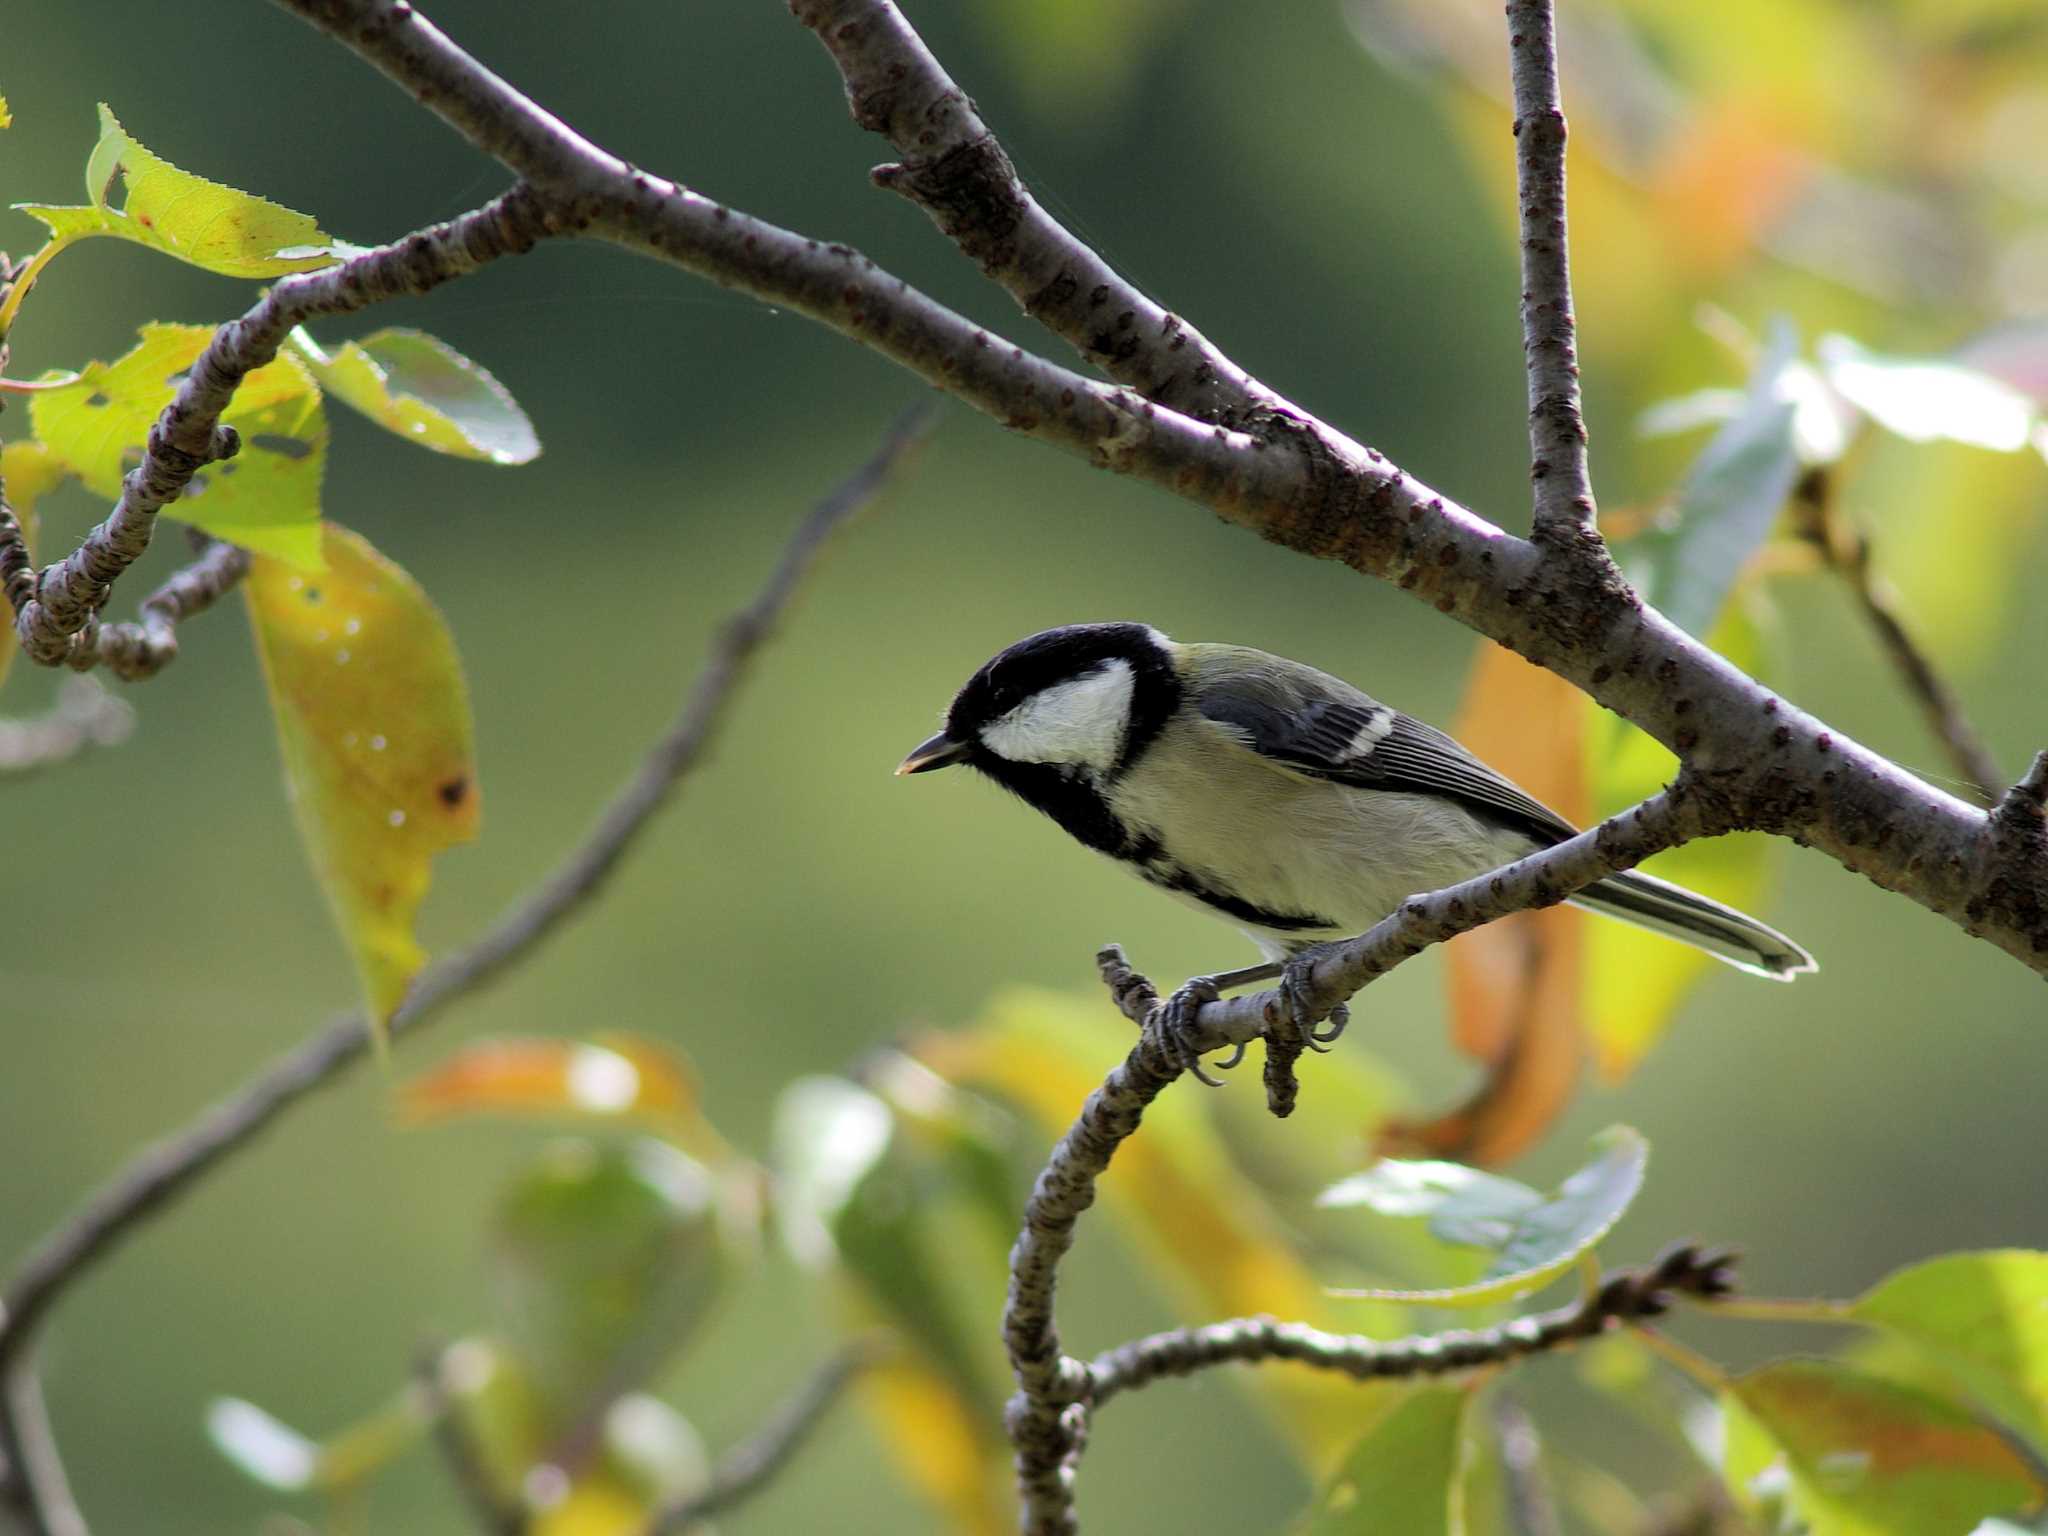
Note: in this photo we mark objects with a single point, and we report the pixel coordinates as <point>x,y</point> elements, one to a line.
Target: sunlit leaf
<point>261,1446</point>
<point>266,498</point>
<point>605,1258</point>
<point>503,1415</point>
<point>1867,1457</point>
<point>373,715</point>
<point>29,471</point>
<point>1730,497</point>
<point>182,215</point>
<point>657,1450</point>
<point>616,1076</point>
<point>2015,353</point>
<point>1981,1316</point>
<point>1534,1243</point>
<point>6,117</point>
<point>1402,1473</point>
<point>424,390</point>
<point>1464,1205</point>
<point>1922,399</point>
<point>1200,1227</point>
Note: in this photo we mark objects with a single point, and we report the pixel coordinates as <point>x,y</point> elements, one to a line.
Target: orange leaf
<point>615,1075</point>
<point>1516,985</point>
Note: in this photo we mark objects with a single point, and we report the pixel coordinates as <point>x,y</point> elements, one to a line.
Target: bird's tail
<point>1722,932</point>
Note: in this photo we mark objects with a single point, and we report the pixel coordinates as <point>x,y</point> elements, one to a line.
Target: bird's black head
<point>1058,715</point>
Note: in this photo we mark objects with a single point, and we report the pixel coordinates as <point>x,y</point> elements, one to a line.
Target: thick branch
<point>1557,424</point>
<point>1299,483</point>
<point>742,1471</point>
<point>65,597</point>
<point>160,1174</point>
<point>959,173</point>
<point>1626,1295</point>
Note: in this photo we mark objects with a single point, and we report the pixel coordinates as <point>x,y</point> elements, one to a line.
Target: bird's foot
<point>1174,1028</point>
<point>1298,1012</point>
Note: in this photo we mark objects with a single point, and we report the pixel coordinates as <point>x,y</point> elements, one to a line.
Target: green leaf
<point>1730,497</point>
<point>29,471</point>
<point>1535,1243</point>
<point>1867,1457</point>
<point>605,1258</point>
<point>1925,398</point>
<point>182,215</point>
<point>424,390</point>
<point>373,719</point>
<point>266,498</point>
<point>1981,1316</point>
<point>1401,1475</point>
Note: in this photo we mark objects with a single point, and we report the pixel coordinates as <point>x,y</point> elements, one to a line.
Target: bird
<point>1273,795</point>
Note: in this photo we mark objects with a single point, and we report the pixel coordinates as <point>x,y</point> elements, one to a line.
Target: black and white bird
<point>1273,795</point>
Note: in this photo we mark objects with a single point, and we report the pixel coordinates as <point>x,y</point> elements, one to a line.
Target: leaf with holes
<point>266,498</point>
<point>1534,1243</point>
<point>373,715</point>
<point>182,215</point>
<point>426,392</point>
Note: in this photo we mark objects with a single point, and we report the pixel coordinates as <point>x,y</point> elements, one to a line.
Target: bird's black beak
<point>942,751</point>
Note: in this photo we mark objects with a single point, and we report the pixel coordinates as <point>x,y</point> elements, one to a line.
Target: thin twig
<point>84,715</point>
<point>32,1481</point>
<point>742,1471</point>
<point>1531,1510</point>
<point>493,1513</point>
<point>1563,484</point>
<point>60,601</point>
<point>146,646</point>
<point>162,1173</point>
<point>1623,1296</point>
<point>1938,703</point>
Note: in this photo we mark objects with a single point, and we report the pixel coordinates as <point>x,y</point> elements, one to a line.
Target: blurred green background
<point>1318,214</point>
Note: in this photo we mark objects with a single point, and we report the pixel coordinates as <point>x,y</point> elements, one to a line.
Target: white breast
<point>1080,722</point>
<point>1288,843</point>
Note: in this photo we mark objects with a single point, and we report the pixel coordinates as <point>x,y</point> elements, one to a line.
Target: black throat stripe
<point>1156,868</point>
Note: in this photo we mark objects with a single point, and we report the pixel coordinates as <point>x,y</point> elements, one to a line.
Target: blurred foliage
<point>1866,175</point>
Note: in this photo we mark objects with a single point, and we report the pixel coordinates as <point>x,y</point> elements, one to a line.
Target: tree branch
<point>1296,481</point>
<point>84,715</point>
<point>53,608</point>
<point>742,1471</point>
<point>1557,426</point>
<point>1046,1418</point>
<point>160,1174</point>
<point>32,1477</point>
<point>956,169</point>
<point>1623,1296</point>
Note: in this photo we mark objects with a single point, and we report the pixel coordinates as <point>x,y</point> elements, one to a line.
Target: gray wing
<point>1316,725</point>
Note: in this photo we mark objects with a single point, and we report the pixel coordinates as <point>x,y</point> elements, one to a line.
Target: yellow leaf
<point>942,1444</point>
<point>373,717</point>
<point>599,1504</point>
<point>28,471</point>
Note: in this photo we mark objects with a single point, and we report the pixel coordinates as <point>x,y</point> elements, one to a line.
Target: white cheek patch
<point>1370,734</point>
<point>1080,722</point>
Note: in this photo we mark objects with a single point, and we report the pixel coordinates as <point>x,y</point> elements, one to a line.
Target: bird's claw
<point>1174,1029</point>
<point>1298,1013</point>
